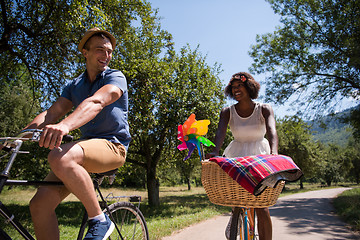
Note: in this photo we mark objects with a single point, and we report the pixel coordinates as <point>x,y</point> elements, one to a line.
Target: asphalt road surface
<point>303,216</point>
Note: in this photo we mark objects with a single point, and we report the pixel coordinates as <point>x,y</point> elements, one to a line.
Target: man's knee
<point>62,160</point>
<point>54,158</point>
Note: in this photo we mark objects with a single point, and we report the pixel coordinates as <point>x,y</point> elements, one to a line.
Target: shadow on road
<point>310,216</point>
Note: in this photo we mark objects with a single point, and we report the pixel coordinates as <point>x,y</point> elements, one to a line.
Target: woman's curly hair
<point>251,86</point>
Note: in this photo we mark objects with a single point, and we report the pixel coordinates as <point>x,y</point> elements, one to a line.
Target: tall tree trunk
<point>188,183</point>
<point>301,183</point>
<point>152,186</point>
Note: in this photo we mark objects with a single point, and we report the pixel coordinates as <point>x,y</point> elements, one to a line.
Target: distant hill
<point>331,129</point>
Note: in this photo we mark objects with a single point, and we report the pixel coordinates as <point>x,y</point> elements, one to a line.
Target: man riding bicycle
<point>100,98</point>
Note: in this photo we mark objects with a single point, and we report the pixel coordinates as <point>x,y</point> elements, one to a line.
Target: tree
<point>336,164</point>
<point>352,154</point>
<point>314,57</point>
<point>296,142</point>
<point>42,36</point>
<point>354,120</point>
<point>163,93</point>
<point>15,108</point>
<point>16,111</point>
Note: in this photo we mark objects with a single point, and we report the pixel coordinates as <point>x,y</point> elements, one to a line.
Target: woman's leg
<point>264,223</point>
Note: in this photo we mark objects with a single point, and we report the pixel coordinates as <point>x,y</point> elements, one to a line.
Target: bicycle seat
<point>99,177</point>
<point>108,173</point>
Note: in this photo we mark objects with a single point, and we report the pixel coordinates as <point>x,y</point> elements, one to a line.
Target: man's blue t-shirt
<point>112,122</point>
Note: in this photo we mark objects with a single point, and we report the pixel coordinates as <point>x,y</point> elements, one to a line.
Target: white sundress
<point>248,133</point>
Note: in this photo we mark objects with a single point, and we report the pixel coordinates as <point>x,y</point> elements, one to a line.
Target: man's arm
<point>85,112</point>
<point>52,115</point>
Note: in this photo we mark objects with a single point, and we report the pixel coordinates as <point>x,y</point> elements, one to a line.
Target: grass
<point>179,208</point>
<point>347,206</point>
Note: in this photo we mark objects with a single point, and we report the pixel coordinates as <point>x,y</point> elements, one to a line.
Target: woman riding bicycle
<point>249,122</point>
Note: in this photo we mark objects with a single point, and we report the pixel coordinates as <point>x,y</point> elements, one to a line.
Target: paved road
<point>303,216</point>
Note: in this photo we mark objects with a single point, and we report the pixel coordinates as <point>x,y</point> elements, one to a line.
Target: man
<point>100,98</point>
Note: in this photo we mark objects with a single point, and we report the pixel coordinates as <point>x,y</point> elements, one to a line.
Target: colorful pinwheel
<point>191,135</point>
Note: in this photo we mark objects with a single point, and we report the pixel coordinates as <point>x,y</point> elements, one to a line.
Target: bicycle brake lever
<point>6,149</point>
<point>36,136</point>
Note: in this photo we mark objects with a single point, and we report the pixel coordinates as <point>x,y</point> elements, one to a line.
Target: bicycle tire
<point>235,221</point>
<point>240,227</point>
<point>129,220</point>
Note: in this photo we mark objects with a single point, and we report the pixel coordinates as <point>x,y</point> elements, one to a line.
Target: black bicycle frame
<point>9,217</point>
<point>4,180</point>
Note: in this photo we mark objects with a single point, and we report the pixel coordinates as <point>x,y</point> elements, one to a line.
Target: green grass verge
<point>179,208</point>
<point>347,206</point>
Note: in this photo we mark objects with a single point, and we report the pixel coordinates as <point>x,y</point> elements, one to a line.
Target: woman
<point>249,122</point>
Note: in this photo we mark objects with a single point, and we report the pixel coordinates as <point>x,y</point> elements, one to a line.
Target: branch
<point>339,78</point>
<point>141,164</point>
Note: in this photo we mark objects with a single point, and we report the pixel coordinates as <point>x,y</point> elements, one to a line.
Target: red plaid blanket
<point>255,173</point>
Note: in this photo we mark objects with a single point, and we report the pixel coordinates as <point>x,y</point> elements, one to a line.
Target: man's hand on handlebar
<point>52,136</point>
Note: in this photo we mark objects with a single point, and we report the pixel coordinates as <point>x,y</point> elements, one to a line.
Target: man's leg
<point>42,208</point>
<point>67,165</point>
<point>264,223</point>
<point>71,166</point>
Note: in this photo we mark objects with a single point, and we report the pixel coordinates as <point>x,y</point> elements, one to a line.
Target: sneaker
<point>99,230</point>
<point>227,230</point>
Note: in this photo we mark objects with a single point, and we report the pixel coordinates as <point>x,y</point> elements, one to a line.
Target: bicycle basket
<point>223,190</point>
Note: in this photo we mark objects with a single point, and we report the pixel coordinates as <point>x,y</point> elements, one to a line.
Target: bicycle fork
<point>249,223</point>
<point>11,219</point>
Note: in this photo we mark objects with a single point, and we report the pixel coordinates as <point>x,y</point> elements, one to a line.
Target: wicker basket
<point>223,190</point>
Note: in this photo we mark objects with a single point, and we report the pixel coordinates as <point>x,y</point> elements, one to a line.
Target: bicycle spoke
<point>130,222</point>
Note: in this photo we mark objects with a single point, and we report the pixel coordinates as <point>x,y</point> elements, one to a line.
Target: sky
<point>224,30</point>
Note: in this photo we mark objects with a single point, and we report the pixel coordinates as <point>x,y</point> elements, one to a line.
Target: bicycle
<point>128,219</point>
<point>243,224</point>
<point>223,190</point>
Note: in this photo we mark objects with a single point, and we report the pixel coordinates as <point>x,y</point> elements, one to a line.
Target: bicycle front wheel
<point>242,227</point>
<point>236,224</point>
<point>129,220</point>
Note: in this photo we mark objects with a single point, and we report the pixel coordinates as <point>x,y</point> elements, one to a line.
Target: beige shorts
<point>100,156</point>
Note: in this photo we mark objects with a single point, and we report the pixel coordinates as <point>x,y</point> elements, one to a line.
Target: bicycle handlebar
<point>26,135</point>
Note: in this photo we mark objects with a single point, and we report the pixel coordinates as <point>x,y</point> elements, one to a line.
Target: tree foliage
<point>164,92</point>
<point>16,111</point>
<point>336,164</point>
<point>295,141</point>
<point>314,56</point>
<point>32,36</point>
<point>352,154</point>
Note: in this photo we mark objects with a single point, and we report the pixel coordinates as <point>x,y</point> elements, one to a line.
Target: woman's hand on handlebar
<point>212,154</point>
